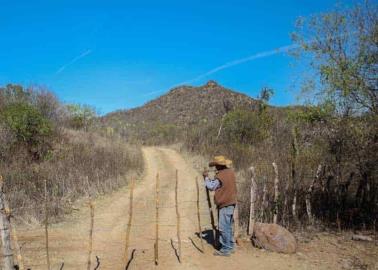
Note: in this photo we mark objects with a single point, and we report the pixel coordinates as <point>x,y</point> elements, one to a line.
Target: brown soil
<point>69,239</point>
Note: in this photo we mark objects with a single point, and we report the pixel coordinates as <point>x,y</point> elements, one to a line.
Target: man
<point>224,186</point>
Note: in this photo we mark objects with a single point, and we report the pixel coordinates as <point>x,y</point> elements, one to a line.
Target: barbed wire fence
<point>191,208</point>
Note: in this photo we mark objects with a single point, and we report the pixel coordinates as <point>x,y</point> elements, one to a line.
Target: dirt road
<point>69,239</point>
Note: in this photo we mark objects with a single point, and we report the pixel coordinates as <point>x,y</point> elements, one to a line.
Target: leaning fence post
<point>5,231</point>
<point>252,209</point>
<point>46,228</point>
<point>276,193</point>
<point>156,246</point>
<point>199,216</point>
<point>129,221</point>
<point>178,219</point>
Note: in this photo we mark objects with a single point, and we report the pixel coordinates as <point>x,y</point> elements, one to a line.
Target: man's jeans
<point>226,220</point>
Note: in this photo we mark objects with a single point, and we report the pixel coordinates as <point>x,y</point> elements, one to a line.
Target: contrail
<point>282,49</point>
<point>153,92</point>
<point>279,50</point>
<point>74,60</point>
<point>233,63</point>
<point>243,60</point>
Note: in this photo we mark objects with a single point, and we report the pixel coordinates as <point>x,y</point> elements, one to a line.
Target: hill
<point>186,105</point>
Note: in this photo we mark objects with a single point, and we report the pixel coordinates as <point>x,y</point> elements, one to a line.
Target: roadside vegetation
<point>43,140</point>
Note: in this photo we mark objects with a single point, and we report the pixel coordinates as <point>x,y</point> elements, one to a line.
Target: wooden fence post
<point>178,219</point>
<point>294,160</point>
<point>199,216</point>
<point>128,230</point>
<point>5,231</point>
<point>252,206</point>
<point>157,222</point>
<point>90,247</point>
<point>46,228</point>
<point>285,212</point>
<point>294,205</point>
<point>264,205</point>
<point>276,193</point>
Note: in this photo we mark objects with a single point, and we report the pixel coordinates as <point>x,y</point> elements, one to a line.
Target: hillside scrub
<point>344,195</point>
<point>165,120</point>
<point>38,145</point>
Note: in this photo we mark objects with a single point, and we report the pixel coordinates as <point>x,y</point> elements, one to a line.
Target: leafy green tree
<point>12,93</point>
<point>80,116</point>
<point>249,127</point>
<point>162,133</point>
<point>244,127</point>
<point>343,48</point>
<point>29,126</point>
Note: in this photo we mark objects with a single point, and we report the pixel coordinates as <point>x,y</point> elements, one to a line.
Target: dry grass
<point>81,164</point>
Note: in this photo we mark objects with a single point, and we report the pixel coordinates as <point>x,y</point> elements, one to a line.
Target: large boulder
<point>273,237</point>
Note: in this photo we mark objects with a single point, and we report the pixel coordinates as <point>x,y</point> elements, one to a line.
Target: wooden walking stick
<point>199,217</point>
<point>157,222</point>
<point>5,231</point>
<point>126,257</point>
<point>178,219</point>
<point>211,215</point>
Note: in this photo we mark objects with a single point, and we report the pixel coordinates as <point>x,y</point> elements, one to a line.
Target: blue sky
<point>120,54</point>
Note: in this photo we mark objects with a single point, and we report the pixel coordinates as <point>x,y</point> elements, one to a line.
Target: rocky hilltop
<point>187,105</point>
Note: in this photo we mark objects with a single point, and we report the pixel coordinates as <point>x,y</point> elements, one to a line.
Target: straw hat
<point>220,160</point>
